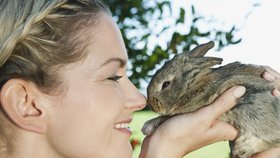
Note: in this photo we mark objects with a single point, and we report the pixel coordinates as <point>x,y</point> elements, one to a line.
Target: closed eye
<point>115,78</point>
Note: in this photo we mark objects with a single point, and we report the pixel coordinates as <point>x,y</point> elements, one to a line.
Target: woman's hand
<point>184,133</point>
<point>271,153</point>
<point>274,76</point>
<point>271,75</point>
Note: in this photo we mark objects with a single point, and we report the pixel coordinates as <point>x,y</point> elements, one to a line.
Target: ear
<point>201,50</point>
<point>208,62</point>
<point>19,101</point>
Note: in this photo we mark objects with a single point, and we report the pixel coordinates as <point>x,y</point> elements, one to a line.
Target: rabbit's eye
<point>165,84</point>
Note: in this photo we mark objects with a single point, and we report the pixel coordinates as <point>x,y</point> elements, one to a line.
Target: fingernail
<point>239,91</point>
<point>269,76</point>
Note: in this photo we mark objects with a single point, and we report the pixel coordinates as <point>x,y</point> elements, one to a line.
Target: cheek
<point>86,115</point>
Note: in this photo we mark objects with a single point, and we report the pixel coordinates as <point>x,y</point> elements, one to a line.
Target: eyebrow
<point>122,62</point>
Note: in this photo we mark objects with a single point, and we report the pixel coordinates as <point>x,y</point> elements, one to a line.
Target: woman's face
<point>90,118</point>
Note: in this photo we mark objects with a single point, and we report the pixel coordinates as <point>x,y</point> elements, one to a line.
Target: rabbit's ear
<point>208,62</point>
<point>201,50</point>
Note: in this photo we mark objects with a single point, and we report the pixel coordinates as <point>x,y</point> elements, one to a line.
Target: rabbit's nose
<point>156,105</point>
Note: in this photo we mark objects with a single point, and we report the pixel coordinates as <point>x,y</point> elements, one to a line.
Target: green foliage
<point>148,44</point>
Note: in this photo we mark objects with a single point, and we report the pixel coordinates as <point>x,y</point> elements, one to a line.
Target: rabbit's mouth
<point>156,105</point>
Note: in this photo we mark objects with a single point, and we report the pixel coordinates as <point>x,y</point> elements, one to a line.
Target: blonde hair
<point>38,36</point>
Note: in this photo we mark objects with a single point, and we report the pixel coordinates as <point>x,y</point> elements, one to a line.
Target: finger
<point>276,92</point>
<point>223,103</point>
<point>273,72</point>
<point>272,75</point>
<point>269,76</point>
<point>271,153</point>
<point>276,73</point>
<point>222,131</point>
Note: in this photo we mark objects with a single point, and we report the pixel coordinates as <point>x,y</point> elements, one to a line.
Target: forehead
<point>107,41</point>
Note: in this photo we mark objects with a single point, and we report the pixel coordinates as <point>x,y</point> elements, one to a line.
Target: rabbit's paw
<point>151,125</point>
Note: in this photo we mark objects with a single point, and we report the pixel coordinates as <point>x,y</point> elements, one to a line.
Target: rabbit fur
<point>189,81</point>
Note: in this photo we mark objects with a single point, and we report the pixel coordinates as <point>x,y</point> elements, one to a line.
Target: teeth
<point>121,125</point>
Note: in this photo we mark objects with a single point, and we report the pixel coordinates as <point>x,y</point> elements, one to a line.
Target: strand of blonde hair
<point>8,45</point>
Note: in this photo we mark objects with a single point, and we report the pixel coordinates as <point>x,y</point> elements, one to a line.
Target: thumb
<point>223,103</point>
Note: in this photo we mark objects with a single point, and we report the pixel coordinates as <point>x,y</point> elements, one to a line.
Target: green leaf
<point>181,19</point>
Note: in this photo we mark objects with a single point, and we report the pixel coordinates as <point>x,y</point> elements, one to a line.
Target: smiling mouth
<point>123,127</point>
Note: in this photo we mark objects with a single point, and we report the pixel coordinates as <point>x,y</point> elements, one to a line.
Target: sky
<point>259,28</point>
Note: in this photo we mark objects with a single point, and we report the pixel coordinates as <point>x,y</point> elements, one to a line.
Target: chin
<point>126,155</point>
<point>124,151</point>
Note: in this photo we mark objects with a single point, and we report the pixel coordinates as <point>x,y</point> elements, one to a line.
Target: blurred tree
<point>151,34</point>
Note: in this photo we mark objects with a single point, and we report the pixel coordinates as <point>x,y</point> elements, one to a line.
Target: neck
<point>3,151</point>
<point>31,145</point>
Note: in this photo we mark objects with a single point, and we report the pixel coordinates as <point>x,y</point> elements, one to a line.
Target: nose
<point>134,100</point>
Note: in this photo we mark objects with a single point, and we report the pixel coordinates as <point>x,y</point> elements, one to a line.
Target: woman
<point>65,93</point>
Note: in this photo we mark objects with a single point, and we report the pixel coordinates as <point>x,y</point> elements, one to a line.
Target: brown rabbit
<point>188,82</point>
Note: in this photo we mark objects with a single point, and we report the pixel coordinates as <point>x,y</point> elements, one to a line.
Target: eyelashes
<point>115,78</point>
